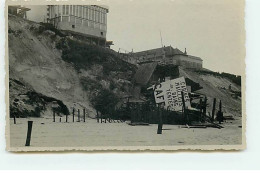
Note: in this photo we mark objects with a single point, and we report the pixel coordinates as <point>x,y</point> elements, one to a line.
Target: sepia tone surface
<point>84,93</point>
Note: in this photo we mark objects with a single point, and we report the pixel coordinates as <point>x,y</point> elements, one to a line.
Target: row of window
<point>95,14</point>
<point>80,22</point>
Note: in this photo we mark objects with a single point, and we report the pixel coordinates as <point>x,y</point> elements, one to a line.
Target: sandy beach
<point>46,133</point>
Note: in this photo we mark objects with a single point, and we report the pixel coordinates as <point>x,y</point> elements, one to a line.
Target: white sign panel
<point>169,93</point>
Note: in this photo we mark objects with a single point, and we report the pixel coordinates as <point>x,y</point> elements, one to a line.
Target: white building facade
<point>90,20</point>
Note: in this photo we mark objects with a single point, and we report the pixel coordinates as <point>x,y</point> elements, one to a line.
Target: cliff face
<point>35,62</point>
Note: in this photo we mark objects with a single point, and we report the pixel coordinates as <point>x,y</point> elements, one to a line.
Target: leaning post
<point>29,132</point>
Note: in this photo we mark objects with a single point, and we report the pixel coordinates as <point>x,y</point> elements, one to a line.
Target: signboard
<point>169,93</point>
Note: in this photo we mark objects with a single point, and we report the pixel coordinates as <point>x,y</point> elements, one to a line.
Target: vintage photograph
<point>127,75</point>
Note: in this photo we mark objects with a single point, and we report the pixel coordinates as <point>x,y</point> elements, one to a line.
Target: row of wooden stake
<point>73,116</point>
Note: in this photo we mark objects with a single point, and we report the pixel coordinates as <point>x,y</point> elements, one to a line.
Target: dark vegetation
<point>84,55</point>
<point>35,102</point>
<point>105,101</point>
<point>40,98</point>
<point>16,33</point>
<point>234,78</point>
<point>14,111</point>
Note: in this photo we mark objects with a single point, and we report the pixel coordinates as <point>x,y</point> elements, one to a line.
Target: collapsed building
<point>150,73</point>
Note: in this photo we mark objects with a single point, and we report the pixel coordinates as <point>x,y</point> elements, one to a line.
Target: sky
<point>210,29</point>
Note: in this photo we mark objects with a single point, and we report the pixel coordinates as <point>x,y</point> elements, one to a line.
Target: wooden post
<point>138,113</point>
<point>213,110</point>
<point>29,132</point>
<point>159,129</point>
<point>184,109</point>
<point>84,115</point>
<point>204,109</point>
<point>59,116</point>
<point>14,119</point>
<point>73,113</point>
<point>201,109</point>
<point>97,116</point>
<point>66,118</point>
<point>220,106</point>
<point>78,116</point>
<point>53,116</point>
<point>220,113</point>
<point>101,117</point>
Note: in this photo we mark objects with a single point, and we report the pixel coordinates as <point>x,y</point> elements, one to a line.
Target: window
<point>67,10</point>
<point>84,12</point>
<point>80,11</point>
<point>70,9</point>
<point>101,33</point>
<point>73,26</point>
<point>90,14</point>
<point>87,17</point>
<point>63,9</point>
<point>74,10</point>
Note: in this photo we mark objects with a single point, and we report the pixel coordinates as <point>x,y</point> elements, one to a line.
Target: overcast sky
<point>210,29</point>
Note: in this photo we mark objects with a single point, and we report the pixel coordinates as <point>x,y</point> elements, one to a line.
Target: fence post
<point>84,115</point>
<point>200,110</point>
<point>14,119</point>
<point>213,109</point>
<point>220,106</point>
<point>73,112</point>
<point>29,132</point>
<point>97,116</point>
<point>78,116</point>
<point>184,109</point>
<point>101,117</point>
<point>138,113</point>
<point>159,130</point>
<point>53,116</point>
<point>59,116</point>
<point>204,109</point>
<point>220,117</point>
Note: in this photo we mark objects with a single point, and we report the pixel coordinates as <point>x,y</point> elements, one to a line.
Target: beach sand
<point>46,133</point>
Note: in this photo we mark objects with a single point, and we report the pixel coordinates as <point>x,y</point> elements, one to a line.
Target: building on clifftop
<point>88,20</point>
<point>166,55</point>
